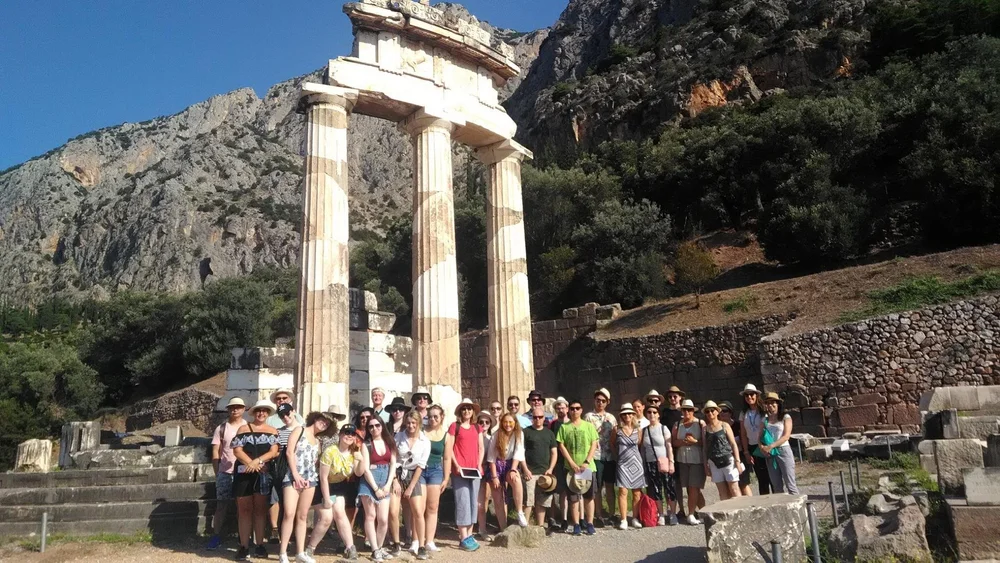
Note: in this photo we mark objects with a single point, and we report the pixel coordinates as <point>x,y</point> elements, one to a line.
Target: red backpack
<point>649,515</point>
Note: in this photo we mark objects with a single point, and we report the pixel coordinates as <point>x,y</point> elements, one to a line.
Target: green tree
<point>694,268</point>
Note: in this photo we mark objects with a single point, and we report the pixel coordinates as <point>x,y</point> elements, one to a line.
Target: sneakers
<point>378,555</point>
<point>260,552</point>
<point>414,547</point>
<point>576,529</point>
<point>636,523</point>
<point>283,558</point>
<point>242,554</point>
<point>395,549</point>
<point>469,544</point>
<point>522,521</point>
<point>590,529</point>
<point>351,554</point>
<point>662,521</point>
<point>275,538</point>
<point>215,542</point>
<point>672,520</point>
<point>691,520</point>
<point>422,554</point>
<point>431,547</point>
<point>623,525</point>
<point>305,557</point>
<point>483,537</point>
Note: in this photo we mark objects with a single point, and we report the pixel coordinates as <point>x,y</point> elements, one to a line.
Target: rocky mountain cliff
<point>215,188</point>
<point>623,68</point>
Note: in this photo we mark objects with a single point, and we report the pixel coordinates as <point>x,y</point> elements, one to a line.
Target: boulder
<point>34,456</point>
<point>879,504</point>
<point>819,453</point>
<point>182,454</point>
<point>516,536</point>
<point>735,527</point>
<point>899,534</point>
<point>952,456</point>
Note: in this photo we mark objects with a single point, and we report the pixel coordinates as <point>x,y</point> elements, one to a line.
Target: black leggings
<point>763,478</point>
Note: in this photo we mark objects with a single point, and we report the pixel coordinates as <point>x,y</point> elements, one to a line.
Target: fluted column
<point>435,272</point>
<point>511,363</point>
<point>322,373</point>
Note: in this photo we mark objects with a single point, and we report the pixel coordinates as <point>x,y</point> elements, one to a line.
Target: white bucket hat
<point>750,388</point>
<point>264,404</point>
<point>236,402</point>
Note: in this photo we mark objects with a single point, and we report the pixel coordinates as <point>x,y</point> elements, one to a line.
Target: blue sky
<point>72,66</point>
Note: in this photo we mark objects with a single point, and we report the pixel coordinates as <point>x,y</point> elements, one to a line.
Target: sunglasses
<point>513,404</point>
<point>654,400</point>
<point>374,426</point>
<point>576,408</point>
<point>538,417</point>
<point>652,412</point>
<point>496,408</point>
<point>483,422</point>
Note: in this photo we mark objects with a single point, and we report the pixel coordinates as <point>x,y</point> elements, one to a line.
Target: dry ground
<point>817,299</point>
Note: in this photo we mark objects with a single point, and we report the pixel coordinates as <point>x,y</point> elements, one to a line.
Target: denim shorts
<point>380,473</point>
<point>432,475</point>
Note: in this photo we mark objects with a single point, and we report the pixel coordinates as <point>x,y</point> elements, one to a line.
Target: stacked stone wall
<point>869,375</point>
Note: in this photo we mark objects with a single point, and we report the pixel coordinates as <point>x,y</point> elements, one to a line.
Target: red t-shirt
<point>466,445</point>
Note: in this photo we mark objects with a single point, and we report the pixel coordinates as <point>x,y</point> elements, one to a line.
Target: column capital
<point>311,93</point>
<point>427,118</point>
<point>507,148</point>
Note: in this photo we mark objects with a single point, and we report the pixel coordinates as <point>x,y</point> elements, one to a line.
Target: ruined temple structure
<point>437,76</point>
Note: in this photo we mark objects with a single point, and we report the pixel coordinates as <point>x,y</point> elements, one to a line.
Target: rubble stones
<point>899,534</point>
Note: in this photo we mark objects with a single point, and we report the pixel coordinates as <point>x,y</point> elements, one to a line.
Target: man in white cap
<point>223,461</point>
<point>378,399</point>
<point>282,397</point>
<point>607,468</point>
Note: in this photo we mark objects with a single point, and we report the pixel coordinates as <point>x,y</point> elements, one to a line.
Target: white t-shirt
<point>515,448</point>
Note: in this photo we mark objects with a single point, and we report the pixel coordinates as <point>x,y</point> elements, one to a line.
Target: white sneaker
<point>283,558</point>
<point>414,547</point>
<point>672,520</point>
<point>693,521</point>
<point>522,521</point>
<point>431,547</point>
<point>623,525</point>
<point>301,558</point>
<point>662,521</point>
<point>636,523</point>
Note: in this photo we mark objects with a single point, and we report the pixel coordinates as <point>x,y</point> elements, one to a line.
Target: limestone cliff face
<point>625,68</point>
<point>217,187</point>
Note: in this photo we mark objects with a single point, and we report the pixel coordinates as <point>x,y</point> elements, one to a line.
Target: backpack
<point>649,514</point>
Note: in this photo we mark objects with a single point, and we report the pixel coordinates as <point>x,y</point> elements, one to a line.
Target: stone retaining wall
<point>869,375</point>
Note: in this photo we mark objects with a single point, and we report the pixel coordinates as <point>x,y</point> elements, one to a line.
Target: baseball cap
<point>285,409</point>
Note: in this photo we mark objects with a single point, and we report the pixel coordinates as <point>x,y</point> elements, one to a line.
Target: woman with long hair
<point>255,445</point>
<point>340,462</point>
<point>777,453</point>
<point>377,483</point>
<point>397,417</point>
<point>414,450</point>
<point>397,413</point>
<point>626,441</point>
<point>463,454</point>
<point>433,478</point>
<point>504,456</point>
<point>726,415</point>
<point>752,423</point>
<point>722,457</point>
<point>299,484</point>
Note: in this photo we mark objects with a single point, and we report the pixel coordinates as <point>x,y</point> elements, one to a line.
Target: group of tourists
<point>552,469</point>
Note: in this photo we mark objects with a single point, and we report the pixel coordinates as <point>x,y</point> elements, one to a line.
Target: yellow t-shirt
<point>341,464</point>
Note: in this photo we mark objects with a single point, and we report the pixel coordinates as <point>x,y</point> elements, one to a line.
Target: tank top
<point>654,443</point>
<point>466,445</point>
<point>437,452</point>
<point>689,453</point>
<point>376,459</point>
<point>718,446</point>
<point>776,429</point>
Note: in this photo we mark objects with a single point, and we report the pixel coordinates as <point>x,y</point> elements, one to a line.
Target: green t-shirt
<point>578,438</point>
<point>538,446</point>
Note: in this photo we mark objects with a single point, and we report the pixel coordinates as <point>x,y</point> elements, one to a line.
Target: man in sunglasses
<point>577,441</point>
<point>540,450</point>
<point>535,400</point>
<point>607,467</point>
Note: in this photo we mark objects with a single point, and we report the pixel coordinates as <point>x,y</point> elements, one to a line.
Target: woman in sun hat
<point>255,445</point>
<point>397,410</point>
<point>751,424</point>
<point>774,446</point>
<point>464,450</point>
<point>631,475</point>
<point>689,458</point>
<point>722,456</point>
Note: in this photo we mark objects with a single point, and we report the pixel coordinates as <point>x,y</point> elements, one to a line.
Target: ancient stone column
<point>435,272</point>
<point>511,364</point>
<point>322,343</point>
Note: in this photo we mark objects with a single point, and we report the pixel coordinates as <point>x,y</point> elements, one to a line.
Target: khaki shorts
<point>691,474</point>
<point>534,496</point>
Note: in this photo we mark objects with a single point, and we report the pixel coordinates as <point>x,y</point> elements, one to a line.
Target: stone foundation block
<point>78,437</point>
<point>982,486</point>
<point>182,455</point>
<point>733,526</point>
<point>928,463</point>
<point>863,415</point>
<point>978,427</point>
<point>953,456</point>
<point>813,416</point>
<point>819,453</point>
<point>904,413</point>
<point>977,530</point>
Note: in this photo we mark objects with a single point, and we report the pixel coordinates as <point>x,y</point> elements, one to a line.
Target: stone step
<point>160,527</point>
<point>107,494</point>
<point>75,512</point>
<point>85,478</point>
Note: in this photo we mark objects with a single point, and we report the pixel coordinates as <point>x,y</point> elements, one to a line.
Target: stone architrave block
<point>982,486</point>
<point>952,457</point>
<point>33,456</point>
<point>819,453</point>
<point>978,427</point>
<point>78,437</point>
<point>992,456</point>
<point>173,437</point>
<point>989,397</point>
<point>182,455</point>
<point>959,398</point>
<point>734,526</point>
<point>863,415</point>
